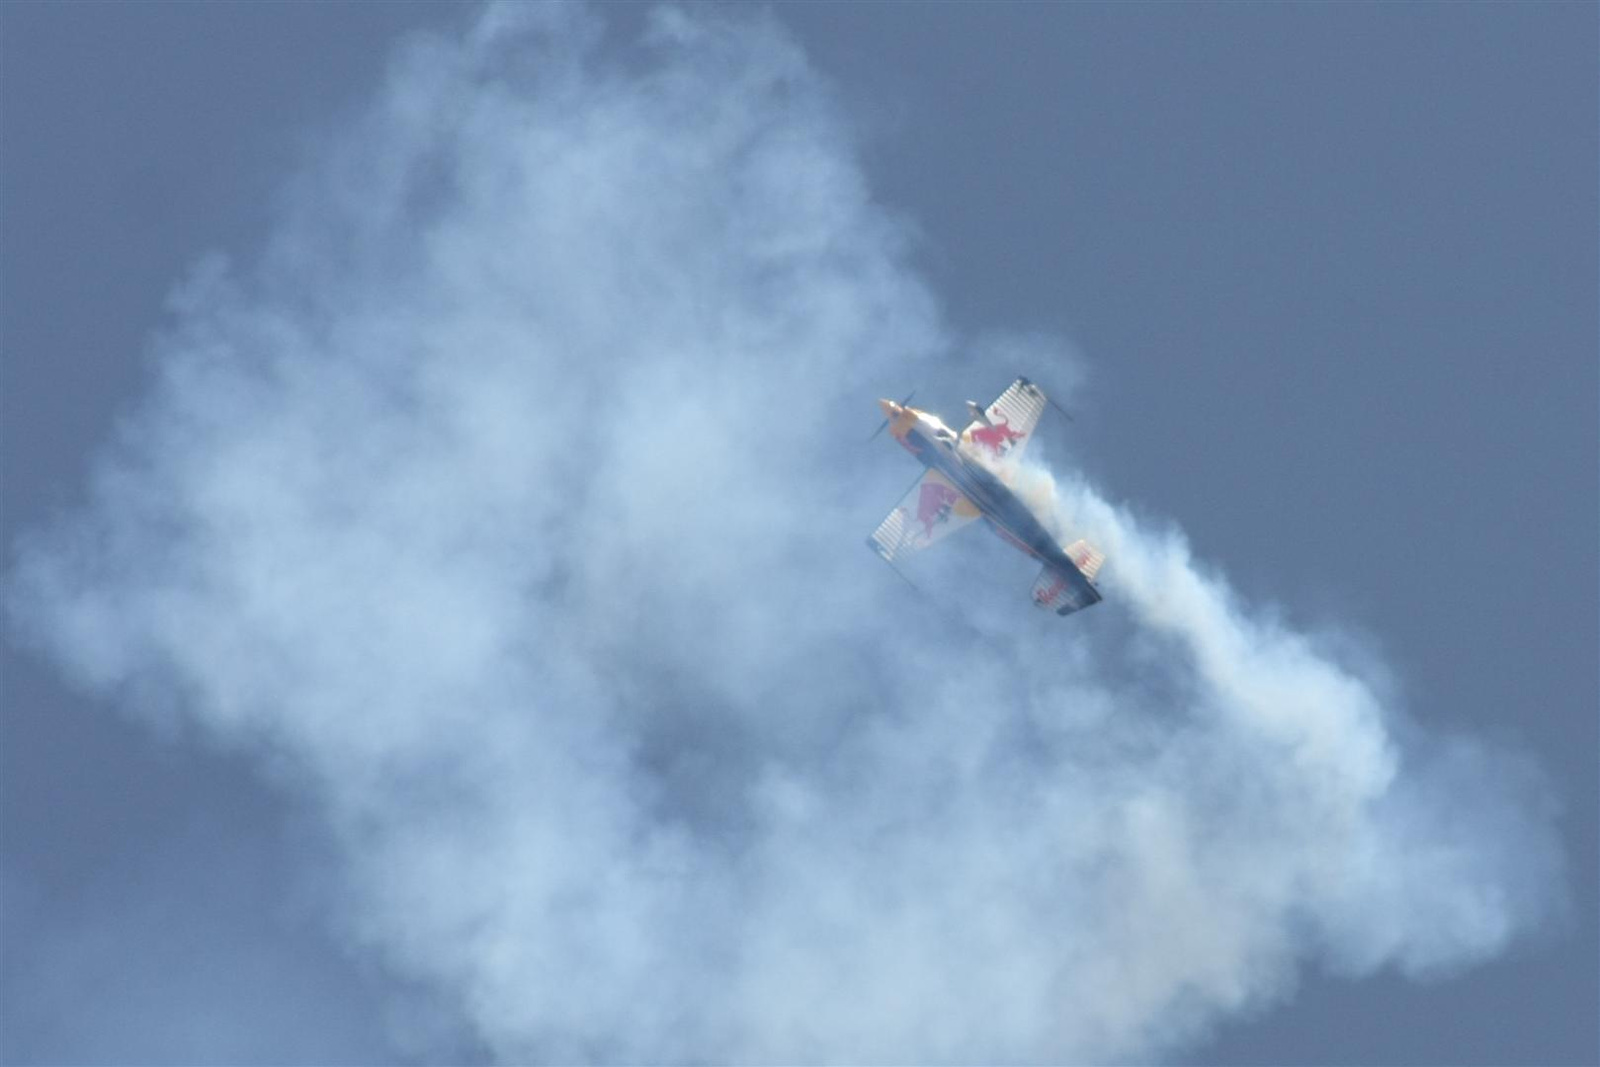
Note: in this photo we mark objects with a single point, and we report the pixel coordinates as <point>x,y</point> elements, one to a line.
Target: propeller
<point>885,422</point>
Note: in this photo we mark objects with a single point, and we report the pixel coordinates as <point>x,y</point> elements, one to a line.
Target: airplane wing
<point>932,510</point>
<point>1012,418</point>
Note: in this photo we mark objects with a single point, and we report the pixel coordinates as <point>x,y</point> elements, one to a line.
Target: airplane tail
<point>1087,558</point>
<point>1063,592</point>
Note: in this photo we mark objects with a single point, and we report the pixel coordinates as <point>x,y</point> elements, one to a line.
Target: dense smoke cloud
<point>512,503</point>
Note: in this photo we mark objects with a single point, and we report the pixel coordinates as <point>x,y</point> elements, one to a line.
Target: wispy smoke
<point>514,501</point>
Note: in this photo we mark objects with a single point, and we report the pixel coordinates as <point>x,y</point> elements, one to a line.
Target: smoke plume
<point>510,504</point>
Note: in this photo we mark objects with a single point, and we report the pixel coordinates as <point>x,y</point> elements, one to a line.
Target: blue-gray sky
<point>1328,275</point>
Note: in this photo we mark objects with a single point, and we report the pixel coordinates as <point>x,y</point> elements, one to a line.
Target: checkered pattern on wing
<point>1020,407</point>
<point>890,536</point>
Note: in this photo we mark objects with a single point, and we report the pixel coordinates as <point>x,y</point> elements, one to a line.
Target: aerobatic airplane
<point>966,478</point>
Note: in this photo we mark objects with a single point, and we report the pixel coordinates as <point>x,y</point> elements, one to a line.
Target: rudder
<point>1086,558</point>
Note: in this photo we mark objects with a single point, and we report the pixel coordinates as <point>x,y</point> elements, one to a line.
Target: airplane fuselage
<point>937,446</point>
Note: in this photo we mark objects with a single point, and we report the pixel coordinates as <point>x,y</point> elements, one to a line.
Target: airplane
<point>966,479</point>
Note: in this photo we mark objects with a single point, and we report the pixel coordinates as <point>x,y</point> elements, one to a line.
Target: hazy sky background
<point>1329,275</point>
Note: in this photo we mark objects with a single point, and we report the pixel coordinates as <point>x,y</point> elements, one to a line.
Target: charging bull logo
<point>997,437</point>
<point>1048,594</point>
<point>934,505</point>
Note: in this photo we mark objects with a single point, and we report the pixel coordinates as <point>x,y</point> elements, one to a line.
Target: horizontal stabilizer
<point>1065,590</point>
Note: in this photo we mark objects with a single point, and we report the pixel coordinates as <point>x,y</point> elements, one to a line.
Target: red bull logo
<point>997,436</point>
<point>934,504</point>
<point>1048,594</point>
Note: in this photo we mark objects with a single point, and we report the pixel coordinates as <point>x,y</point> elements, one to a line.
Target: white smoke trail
<point>509,502</point>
